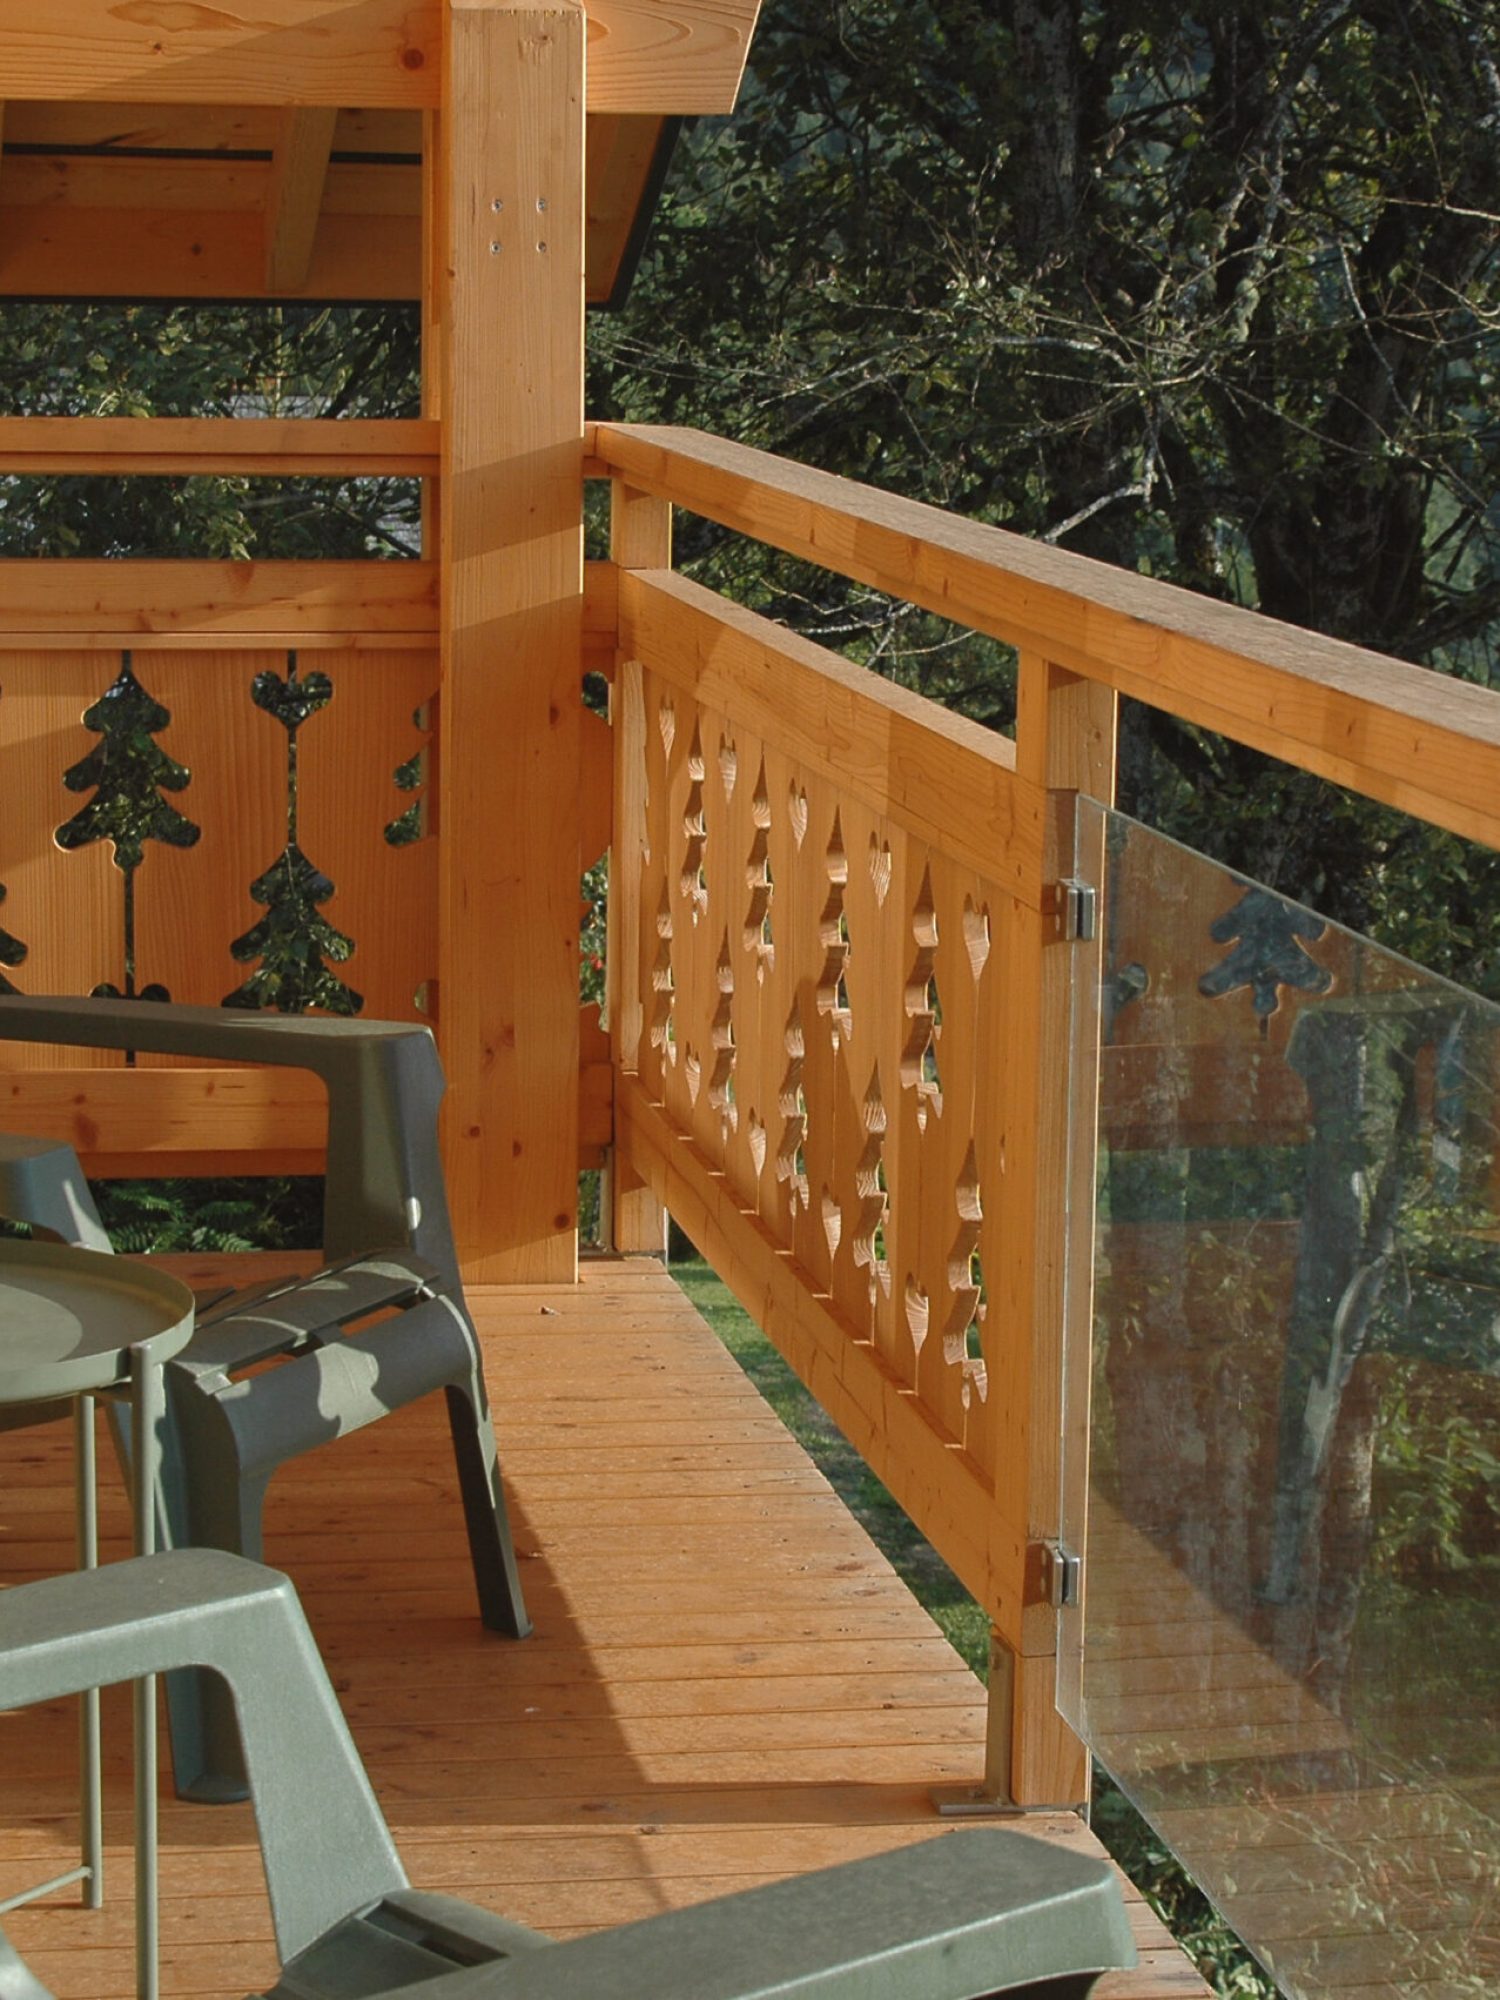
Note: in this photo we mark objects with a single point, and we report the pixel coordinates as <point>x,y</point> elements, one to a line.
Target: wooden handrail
<point>1405,735</point>
<point>87,604</point>
<point>302,448</point>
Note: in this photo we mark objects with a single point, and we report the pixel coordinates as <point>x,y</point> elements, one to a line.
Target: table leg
<point>91,1793</point>
<point>90,1871</point>
<point>146,1414</point>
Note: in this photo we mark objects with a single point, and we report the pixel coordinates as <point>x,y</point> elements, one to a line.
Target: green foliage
<point>1187,1913</point>
<point>110,359</point>
<point>1436,1480</point>
<point>1212,294</point>
<point>294,943</point>
<point>211,1215</point>
<point>593,934</point>
<point>127,772</point>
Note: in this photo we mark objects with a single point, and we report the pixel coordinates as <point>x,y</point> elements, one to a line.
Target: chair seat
<point>315,1359</point>
<point>406,1940</point>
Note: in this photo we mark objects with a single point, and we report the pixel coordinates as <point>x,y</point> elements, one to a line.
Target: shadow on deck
<point>727,1682</point>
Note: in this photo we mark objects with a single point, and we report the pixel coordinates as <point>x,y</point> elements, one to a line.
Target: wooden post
<point>1065,743</point>
<point>640,538</point>
<point>299,170</point>
<point>510,390</point>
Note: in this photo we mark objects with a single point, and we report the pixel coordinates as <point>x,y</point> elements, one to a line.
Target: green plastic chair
<point>974,1913</point>
<point>389,1250</point>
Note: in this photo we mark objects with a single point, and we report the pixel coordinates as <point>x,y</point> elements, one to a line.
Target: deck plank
<point>727,1683</point>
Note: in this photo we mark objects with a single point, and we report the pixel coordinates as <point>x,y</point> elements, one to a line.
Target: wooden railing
<point>842,969</point>
<point>197,635</point>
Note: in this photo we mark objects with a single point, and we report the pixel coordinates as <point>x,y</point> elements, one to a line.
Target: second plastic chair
<point>383,1323</point>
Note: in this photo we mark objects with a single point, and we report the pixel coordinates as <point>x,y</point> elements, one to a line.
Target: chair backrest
<point>384,1188</point>
<point>324,1842</point>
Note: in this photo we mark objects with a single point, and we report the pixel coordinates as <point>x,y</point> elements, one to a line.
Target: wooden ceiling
<point>163,150</point>
<point>252,201</point>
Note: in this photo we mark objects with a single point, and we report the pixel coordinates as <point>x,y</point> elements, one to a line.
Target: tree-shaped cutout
<point>12,951</point>
<point>127,771</point>
<point>411,776</point>
<point>1268,953</point>
<point>292,941</point>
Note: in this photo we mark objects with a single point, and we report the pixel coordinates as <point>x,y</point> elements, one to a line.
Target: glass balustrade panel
<point>1288,1653</point>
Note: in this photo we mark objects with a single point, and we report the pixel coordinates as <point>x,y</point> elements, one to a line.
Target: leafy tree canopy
<point>1209,292</point>
<point>215,361</point>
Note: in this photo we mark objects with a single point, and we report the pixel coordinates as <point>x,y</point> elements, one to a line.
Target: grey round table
<point>75,1324</point>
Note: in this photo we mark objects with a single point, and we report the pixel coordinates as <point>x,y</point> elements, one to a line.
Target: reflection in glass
<point>1290,1644</point>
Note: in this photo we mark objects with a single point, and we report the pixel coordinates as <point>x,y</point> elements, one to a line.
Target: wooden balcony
<point>839,1042</point>
<point>841,1049</point>
<point>726,1683</point>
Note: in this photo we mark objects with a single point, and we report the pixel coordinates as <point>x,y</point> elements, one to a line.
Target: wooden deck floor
<point>726,1684</point>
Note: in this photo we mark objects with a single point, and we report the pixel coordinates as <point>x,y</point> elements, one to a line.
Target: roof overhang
<point>158,151</point>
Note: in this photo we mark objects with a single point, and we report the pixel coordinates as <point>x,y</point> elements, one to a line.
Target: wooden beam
<point>153,1121</point>
<point>305,52</point>
<point>941,776</point>
<point>673,57</point>
<point>93,225</point>
<point>640,538</point>
<point>294,201</point>
<point>199,128</point>
<point>1405,735</point>
<point>1044,1166</point>
<point>344,448</point>
<point>82,603</point>
<point>236,1118</point>
<point>665,56</point>
<point>210,253</point>
<point>621,154</point>
<point>510,388</point>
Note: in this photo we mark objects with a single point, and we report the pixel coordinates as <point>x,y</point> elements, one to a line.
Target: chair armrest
<point>324,1843</point>
<point>17,1980</point>
<point>384,1181</point>
<point>985,1911</point>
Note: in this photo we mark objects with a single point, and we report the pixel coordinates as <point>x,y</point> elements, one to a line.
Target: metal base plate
<point>974,1802</point>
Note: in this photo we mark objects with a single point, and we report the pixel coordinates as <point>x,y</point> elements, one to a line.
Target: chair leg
<point>222,1511</point>
<point>497,1579</point>
<point>212,1512</point>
